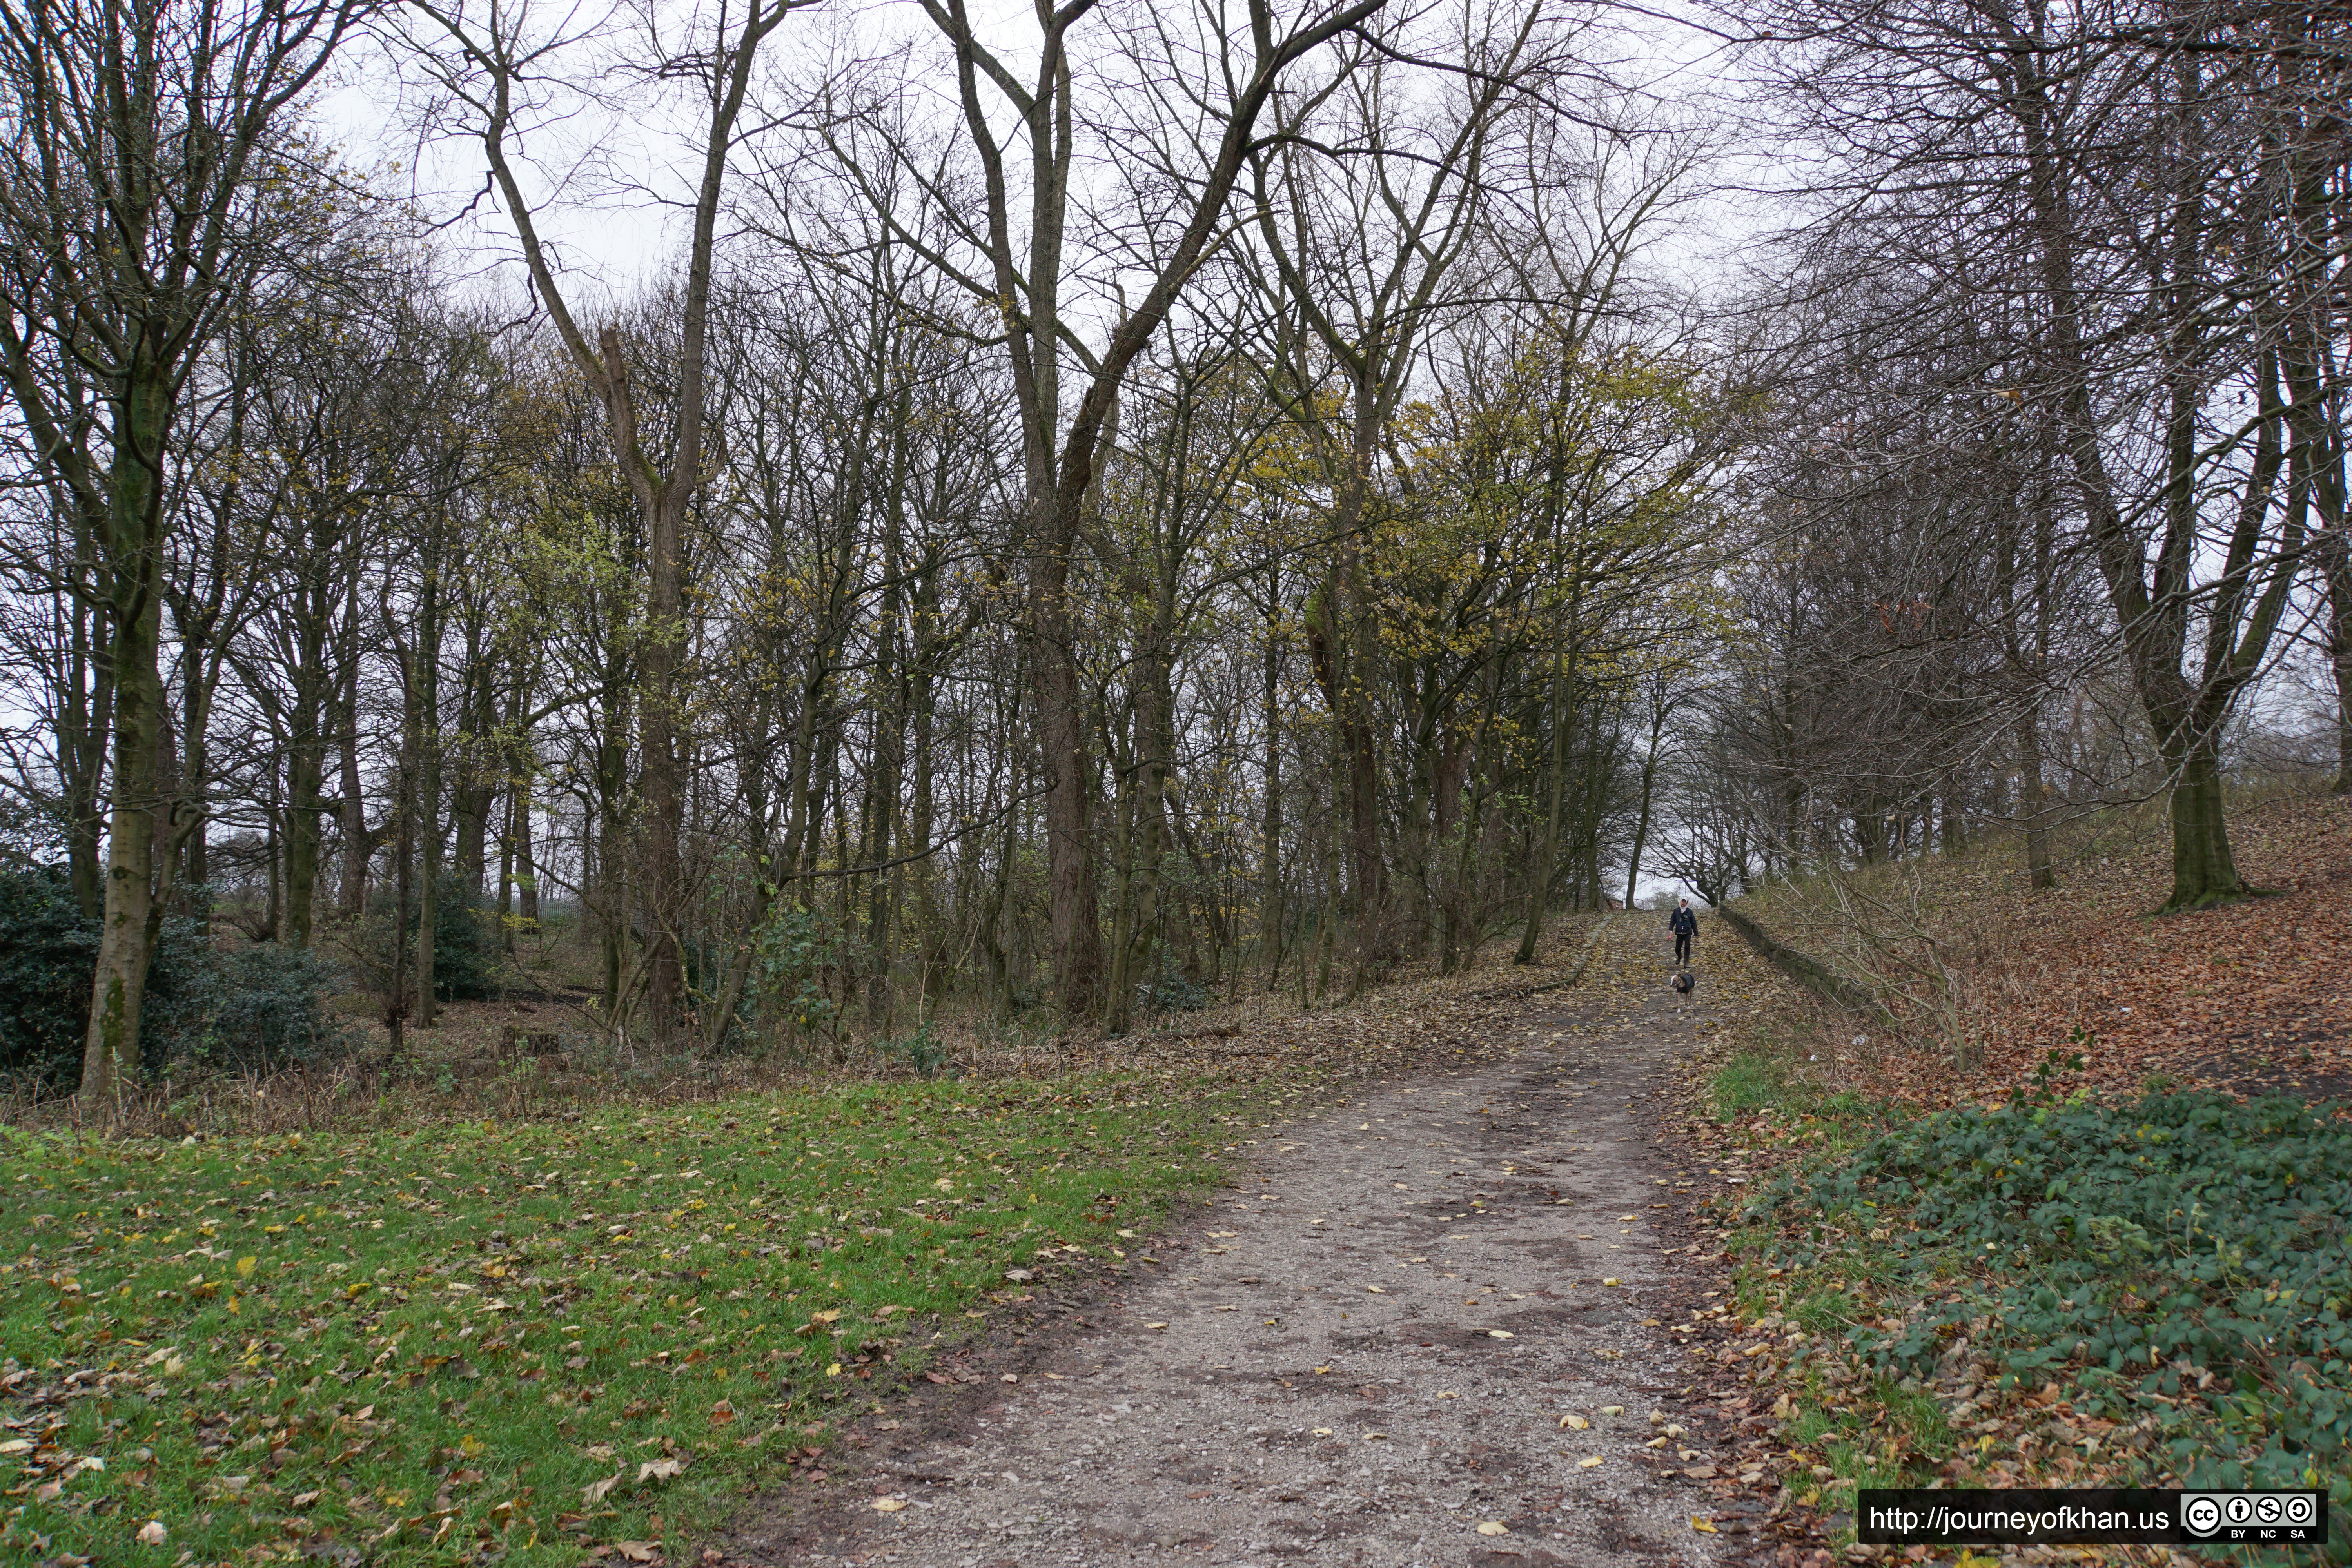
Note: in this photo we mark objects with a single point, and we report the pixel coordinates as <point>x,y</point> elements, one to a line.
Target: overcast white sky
<point>613,238</point>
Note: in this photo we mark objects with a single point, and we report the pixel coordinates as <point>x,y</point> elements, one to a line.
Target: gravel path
<point>1429,1328</point>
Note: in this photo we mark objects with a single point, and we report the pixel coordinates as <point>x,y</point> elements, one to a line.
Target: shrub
<point>259,1008</point>
<point>466,954</point>
<point>46,951</point>
<point>922,1051</point>
<point>262,1007</point>
<point>794,951</point>
<point>1173,992</point>
<point>465,950</point>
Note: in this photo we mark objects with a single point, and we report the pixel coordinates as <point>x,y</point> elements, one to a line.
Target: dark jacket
<point>1684,924</point>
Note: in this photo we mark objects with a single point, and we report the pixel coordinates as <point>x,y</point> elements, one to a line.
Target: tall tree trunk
<point>398,995</point>
<point>1063,758</point>
<point>305,766</point>
<point>422,725</point>
<point>526,866</point>
<point>1541,874</point>
<point>195,783</point>
<point>2203,870</point>
<point>134,525</point>
<point>1641,822</point>
<point>429,887</point>
<point>85,717</point>
<point>273,851</point>
<point>1355,629</point>
<point>1154,739</point>
<point>2033,789</point>
<point>889,738</point>
<point>1445,823</point>
<point>930,939</point>
<point>2338,562</point>
<point>1118,989</point>
<point>359,844</point>
<point>1269,855</point>
<point>520,872</point>
<point>506,877</point>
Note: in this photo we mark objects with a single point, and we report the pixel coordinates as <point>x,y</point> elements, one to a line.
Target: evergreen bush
<point>255,1008</point>
<point>47,949</point>
<point>466,949</point>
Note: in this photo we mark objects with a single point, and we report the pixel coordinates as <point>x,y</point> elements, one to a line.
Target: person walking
<point>1684,925</point>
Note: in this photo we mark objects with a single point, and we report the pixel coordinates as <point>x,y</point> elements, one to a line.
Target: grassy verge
<point>2056,1293</point>
<point>508,1344</point>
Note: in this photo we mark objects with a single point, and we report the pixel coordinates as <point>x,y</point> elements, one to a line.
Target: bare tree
<point>1013,249</point>
<point>496,63</point>
<point>2142,185</point>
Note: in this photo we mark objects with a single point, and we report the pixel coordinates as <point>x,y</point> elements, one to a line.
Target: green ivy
<point>2187,1254</point>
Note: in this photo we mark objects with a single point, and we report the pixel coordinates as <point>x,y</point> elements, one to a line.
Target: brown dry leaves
<point>2248,998</point>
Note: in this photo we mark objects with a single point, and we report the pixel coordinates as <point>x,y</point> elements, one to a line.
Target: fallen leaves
<point>2243,998</point>
<point>153,1534</point>
<point>888,1504</point>
<point>1494,1527</point>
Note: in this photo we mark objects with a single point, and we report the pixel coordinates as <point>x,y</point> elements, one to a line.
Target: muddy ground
<point>1447,1321</point>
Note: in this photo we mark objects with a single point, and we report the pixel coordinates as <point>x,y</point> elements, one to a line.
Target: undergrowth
<point>2055,1291</point>
<point>2186,1254</point>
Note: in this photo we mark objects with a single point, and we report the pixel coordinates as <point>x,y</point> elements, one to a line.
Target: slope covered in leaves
<point>1986,977</point>
<point>2078,1222</point>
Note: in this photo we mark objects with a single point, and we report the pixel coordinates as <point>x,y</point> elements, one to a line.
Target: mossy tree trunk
<point>2204,873</point>
<point>134,525</point>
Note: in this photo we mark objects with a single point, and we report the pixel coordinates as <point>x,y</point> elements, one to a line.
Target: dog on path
<point>1683,983</point>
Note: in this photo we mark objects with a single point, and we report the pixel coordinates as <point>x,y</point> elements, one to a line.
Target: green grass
<point>437,1346</point>
<point>1770,1078</point>
<point>1888,1438</point>
<point>1750,1081</point>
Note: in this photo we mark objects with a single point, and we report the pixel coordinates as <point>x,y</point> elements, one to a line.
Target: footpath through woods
<point>1447,1322</point>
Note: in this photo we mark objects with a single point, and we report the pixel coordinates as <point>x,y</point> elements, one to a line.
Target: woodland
<point>715,714</point>
<point>1079,511</point>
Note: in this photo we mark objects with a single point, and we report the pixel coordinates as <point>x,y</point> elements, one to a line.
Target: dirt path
<point>1363,1356</point>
